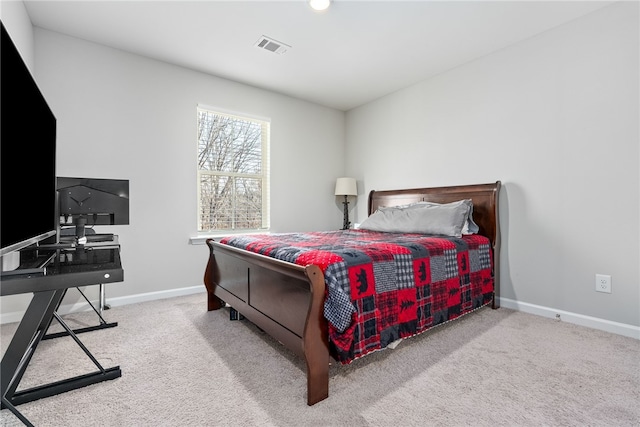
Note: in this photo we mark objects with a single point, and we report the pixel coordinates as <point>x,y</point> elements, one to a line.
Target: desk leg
<point>103,300</point>
<point>32,328</point>
<point>15,412</point>
<point>102,325</point>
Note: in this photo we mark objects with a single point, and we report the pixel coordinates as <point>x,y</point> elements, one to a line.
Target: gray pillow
<point>469,227</point>
<point>423,217</point>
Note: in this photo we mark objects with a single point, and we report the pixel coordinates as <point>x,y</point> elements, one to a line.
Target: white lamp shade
<point>346,187</point>
<point>319,4</point>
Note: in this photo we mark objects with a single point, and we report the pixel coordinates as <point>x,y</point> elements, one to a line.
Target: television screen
<point>27,155</point>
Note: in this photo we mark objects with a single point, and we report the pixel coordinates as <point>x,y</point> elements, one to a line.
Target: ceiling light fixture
<point>319,5</point>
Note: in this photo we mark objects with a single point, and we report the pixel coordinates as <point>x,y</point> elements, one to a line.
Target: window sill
<point>202,238</point>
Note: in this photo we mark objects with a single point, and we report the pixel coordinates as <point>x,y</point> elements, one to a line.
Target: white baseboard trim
<point>16,316</point>
<point>150,296</point>
<point>575,318</point>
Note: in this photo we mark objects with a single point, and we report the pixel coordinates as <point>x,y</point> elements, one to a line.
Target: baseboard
<point>150,296</point>
<point>113,302</point>
<point>575,318</point>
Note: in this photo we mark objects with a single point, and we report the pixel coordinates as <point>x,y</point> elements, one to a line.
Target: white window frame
<point>264,176</point>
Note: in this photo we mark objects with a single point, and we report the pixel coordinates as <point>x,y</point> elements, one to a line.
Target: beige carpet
<point>184,366</point>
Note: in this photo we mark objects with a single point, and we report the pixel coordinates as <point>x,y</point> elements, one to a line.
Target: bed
<point>291,285</point>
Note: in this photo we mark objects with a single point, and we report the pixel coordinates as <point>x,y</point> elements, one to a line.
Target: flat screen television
<point>28,211</point>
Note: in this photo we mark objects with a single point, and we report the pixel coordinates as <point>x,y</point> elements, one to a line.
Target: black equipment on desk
<point>86,202</point>
<point>71,235</point>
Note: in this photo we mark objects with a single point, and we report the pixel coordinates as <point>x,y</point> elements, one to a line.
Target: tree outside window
<point>233,178</point>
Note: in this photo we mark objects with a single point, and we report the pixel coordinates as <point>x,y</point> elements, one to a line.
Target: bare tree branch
<point>233,147</point>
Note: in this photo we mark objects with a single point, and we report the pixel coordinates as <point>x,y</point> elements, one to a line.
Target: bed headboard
<point>484,197</point>
<point>485,210</point>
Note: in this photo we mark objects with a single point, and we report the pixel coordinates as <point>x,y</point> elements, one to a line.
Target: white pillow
<point>423,217</point>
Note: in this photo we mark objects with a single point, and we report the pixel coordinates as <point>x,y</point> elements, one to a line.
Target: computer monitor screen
<point>93,201</point>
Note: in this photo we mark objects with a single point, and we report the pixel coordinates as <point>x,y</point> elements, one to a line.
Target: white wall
<point>555,118</point>
<point>16,20</point>
<point>124,116</point>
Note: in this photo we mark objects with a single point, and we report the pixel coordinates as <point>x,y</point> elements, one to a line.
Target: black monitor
<point>85,202</point>
<point>27,157</point>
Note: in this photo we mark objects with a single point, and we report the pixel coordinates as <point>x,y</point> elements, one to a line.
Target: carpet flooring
<point>184,366</point>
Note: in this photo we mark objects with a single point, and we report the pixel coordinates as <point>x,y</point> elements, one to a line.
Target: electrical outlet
<point>603,283</point>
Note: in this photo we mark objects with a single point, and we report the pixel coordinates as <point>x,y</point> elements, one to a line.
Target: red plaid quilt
<point>385,286</point>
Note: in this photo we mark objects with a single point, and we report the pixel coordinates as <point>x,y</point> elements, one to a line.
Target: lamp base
<point>346,224</point>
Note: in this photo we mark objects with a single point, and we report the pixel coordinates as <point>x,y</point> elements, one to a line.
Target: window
<point>233,172</point>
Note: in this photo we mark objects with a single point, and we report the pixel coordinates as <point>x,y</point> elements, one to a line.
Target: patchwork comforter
<point>385,286</point>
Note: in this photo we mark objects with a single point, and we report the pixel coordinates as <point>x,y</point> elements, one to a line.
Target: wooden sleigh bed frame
<point>286,300</point>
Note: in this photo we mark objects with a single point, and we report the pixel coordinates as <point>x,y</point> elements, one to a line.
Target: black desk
<point>65,268</point>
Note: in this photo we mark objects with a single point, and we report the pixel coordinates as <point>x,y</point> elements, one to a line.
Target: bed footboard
<point>283,299</point>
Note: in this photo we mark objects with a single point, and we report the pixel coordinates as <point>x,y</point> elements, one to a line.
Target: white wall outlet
<point>603,283</point>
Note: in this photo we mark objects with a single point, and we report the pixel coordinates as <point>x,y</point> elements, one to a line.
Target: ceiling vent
<point>272,45</point>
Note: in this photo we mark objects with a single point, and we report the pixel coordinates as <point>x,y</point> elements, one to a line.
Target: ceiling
<point>351,54</point>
